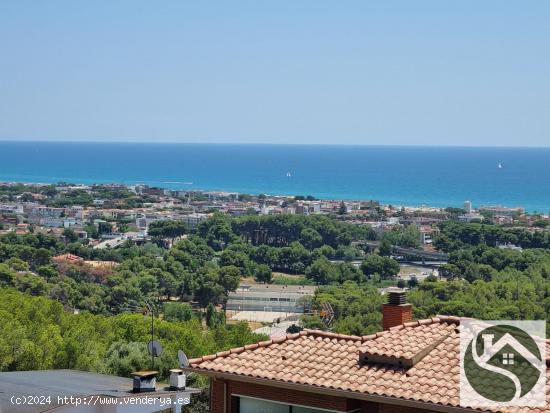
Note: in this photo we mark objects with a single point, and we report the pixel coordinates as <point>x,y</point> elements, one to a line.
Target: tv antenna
<point>327,314</point>
<point>154,350</point>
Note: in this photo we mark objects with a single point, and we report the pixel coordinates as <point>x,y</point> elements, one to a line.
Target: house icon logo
<point>502,363</point>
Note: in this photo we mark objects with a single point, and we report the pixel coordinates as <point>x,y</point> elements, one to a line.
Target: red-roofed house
<point>411,368</point>
<point>67,258</point>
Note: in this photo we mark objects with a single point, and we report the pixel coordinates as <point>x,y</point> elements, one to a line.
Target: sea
<point>397,175</point>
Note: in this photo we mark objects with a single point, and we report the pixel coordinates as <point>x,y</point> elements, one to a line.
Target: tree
<point>208,289</point>
<point>229,277</point>
<point>310,238</point>
<point>104,227</point>
<point>216,231</point>
<point>263,274</point>
<point>383,266</point>
<point>385,248</point>
<point>167,229</point>
<point>213,319</point>
<point>410,238</point>
<point>449,271</point>
<point>413,282</point>
<point>92,231</point>
<point>70,235</point>
<point>342,208</point>
<point>37,333</point>
<point>178,312</point>
<point>7,275</point>
<point>356,308</point>
<point>123,358</point>
<point>192,253</point>
<point>239,260</point>
<point>48,272</point>
<point>322,272</point>
<point>17,264</point>
<point>293,329</point>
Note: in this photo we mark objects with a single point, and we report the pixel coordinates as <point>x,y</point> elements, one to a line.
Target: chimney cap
<point>390,290</point>
<point>144,373</point>
<point>144,381</point>
<point>397,296</point>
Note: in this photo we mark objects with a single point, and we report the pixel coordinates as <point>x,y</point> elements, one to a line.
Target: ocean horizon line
<point>346,145</point>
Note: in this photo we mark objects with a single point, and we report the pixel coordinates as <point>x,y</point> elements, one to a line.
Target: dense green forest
<point>457,235</point>
<point>37,333</point>
<point>57,196</point>
<point>58,314</point>
<point>205,266</point>
<point>480,281</point>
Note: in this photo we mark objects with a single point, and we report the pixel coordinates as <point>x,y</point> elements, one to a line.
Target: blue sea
<point>434,176</point>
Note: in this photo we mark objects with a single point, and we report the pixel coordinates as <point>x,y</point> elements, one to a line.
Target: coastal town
<point>274,207</point>
<point>204,271</point>
<point>107,215</point>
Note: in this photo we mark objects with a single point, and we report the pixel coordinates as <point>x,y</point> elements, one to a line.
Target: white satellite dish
<point>184,362</point>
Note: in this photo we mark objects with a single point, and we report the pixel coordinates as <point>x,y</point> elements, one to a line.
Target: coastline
<point>422,207</point>
<point>398,175</point>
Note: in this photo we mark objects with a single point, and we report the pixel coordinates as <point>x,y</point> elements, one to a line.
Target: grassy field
<point>280,278</point>
<point>287,279</point>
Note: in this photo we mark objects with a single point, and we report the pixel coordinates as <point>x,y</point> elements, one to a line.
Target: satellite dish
<point>154,347</point>
<point>182,359</point>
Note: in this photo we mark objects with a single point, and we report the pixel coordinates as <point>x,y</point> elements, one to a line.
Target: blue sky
<point>342,72</point>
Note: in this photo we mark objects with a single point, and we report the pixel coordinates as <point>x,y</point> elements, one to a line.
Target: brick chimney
<point>397,311</point>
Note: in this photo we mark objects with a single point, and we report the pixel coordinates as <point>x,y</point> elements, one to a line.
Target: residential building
<point>501,211</point>
<point>472,216</point>
<point>410,367</point>
<point>192,221</point>
<point>11,208</point>
<point>37,214</point>
<point>427,234</point>
<point>68,258</point>
<point>8,219</point>
<point>22,229</point>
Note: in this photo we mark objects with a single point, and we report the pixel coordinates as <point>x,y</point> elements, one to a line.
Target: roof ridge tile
<point>196,360</point>
<point>329,335</point>
<point>448,319</point>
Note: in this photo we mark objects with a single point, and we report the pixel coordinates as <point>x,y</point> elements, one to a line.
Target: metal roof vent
<point>397,296</point>
<point>177,379</point>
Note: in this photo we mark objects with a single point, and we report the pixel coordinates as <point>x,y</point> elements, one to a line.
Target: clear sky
<point>465,72</point>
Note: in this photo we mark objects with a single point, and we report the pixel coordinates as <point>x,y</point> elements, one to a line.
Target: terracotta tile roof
<point>67,257</point>
<point>328,360</point>
<point>407,344</point>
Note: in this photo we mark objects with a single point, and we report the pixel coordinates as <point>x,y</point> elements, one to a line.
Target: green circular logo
<point>501,363</point>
